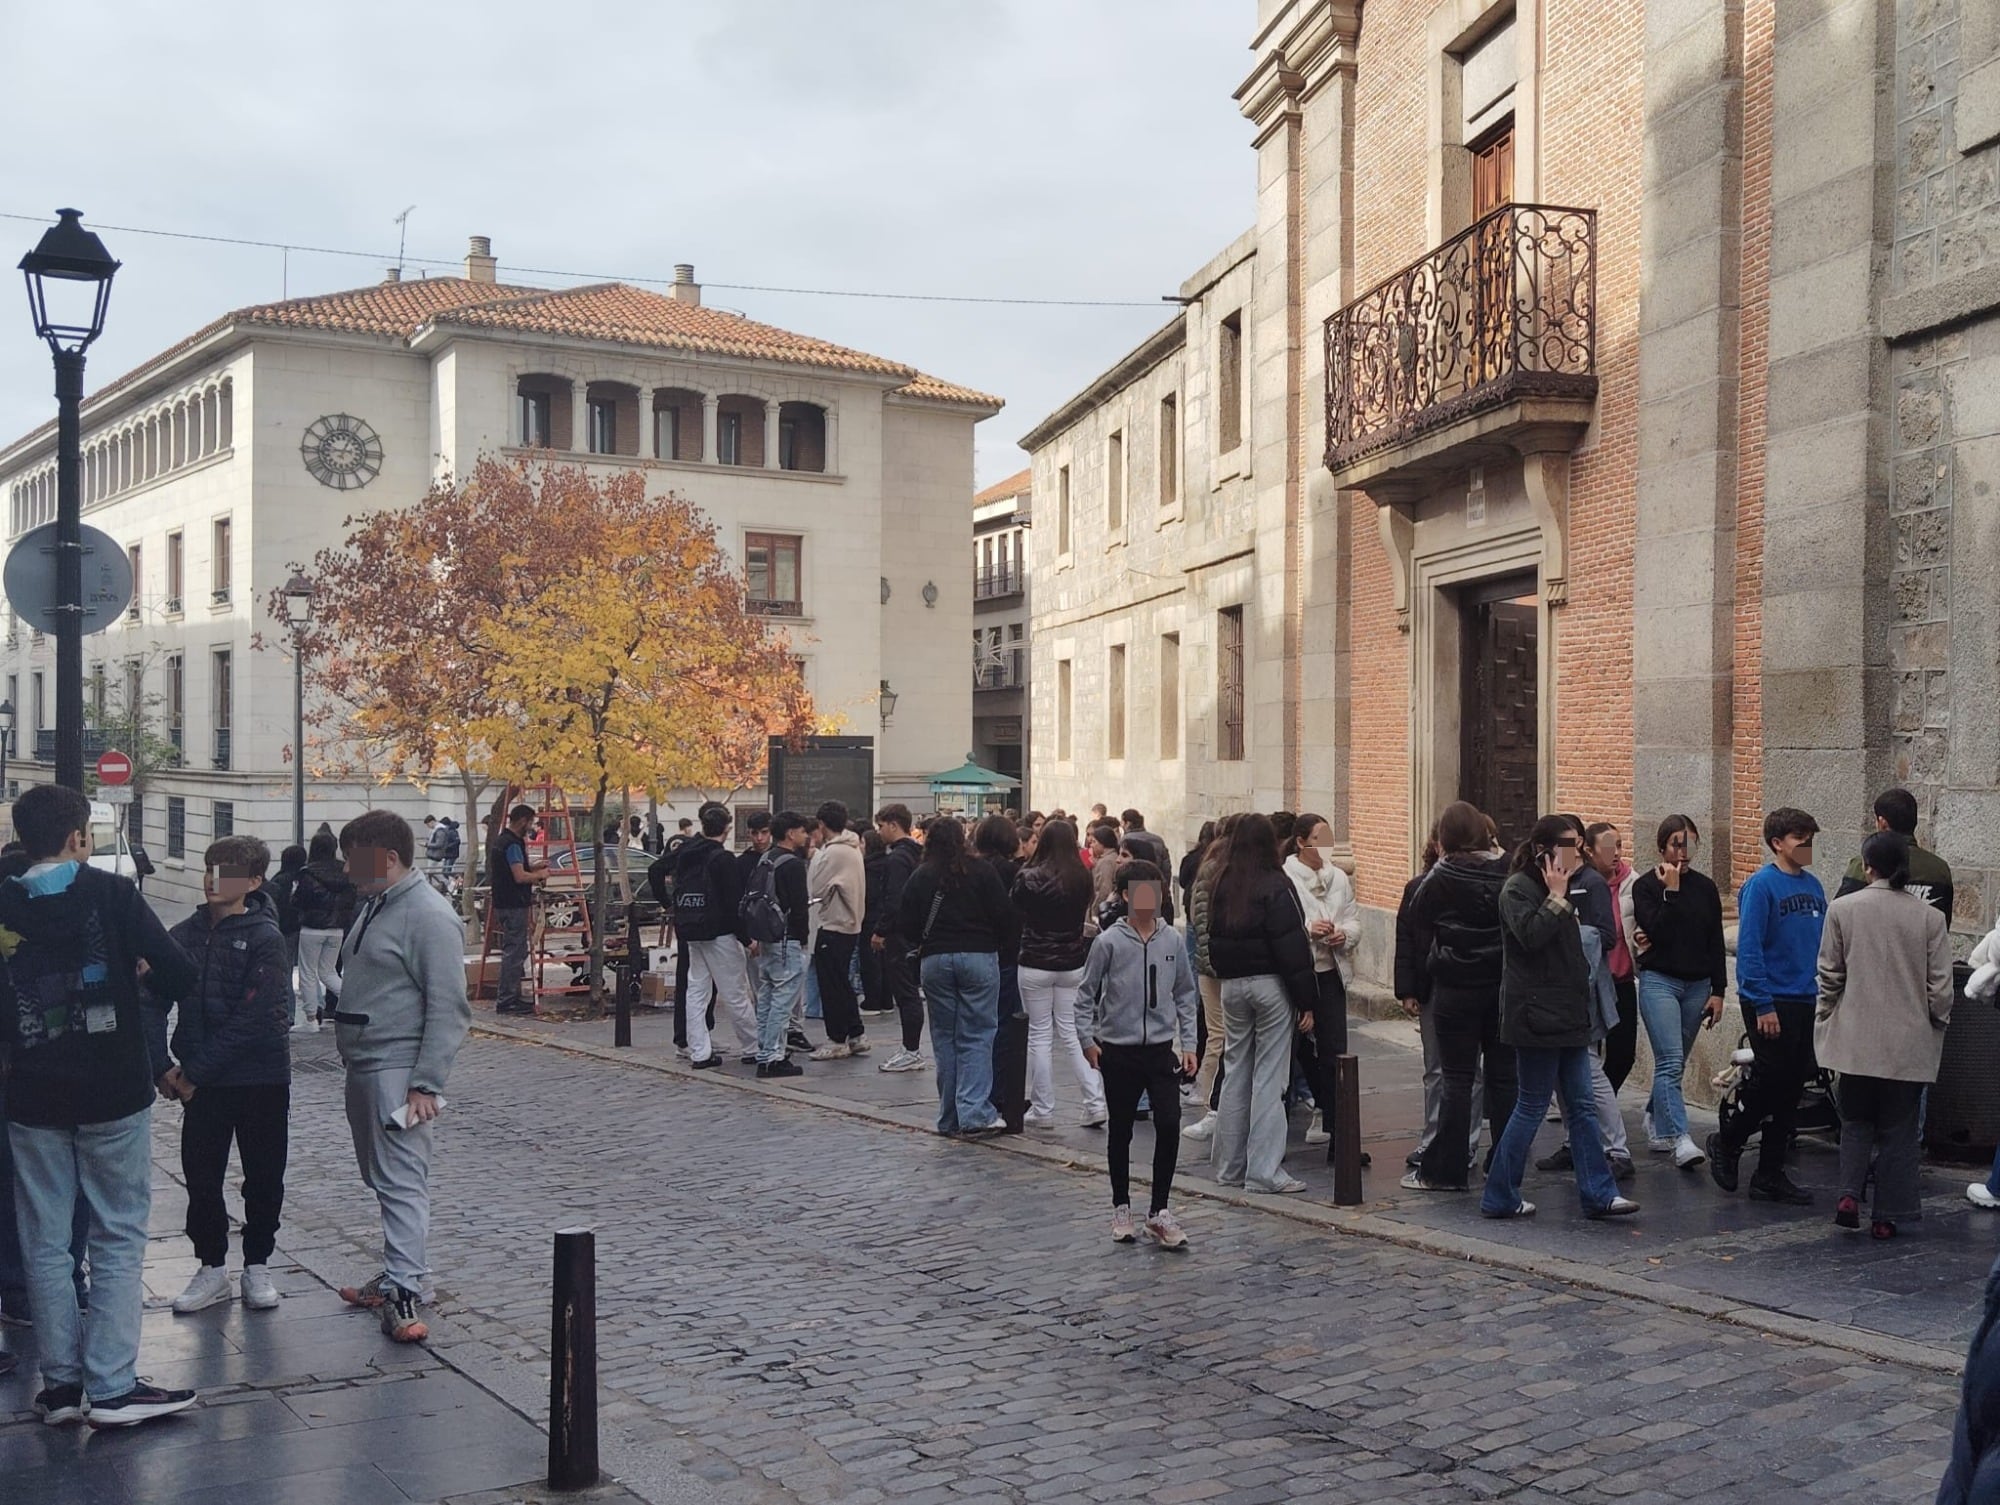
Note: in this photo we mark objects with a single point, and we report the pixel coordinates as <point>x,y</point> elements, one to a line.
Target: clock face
<point>342,452</point>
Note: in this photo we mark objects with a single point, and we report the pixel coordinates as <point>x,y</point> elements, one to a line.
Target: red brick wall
<point>1747,808</point>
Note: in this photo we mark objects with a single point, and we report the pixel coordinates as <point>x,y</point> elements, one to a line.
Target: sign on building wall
<point>826,768</point>
<point>1004,731</point>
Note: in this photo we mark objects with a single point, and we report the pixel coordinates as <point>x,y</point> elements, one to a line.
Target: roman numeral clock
<point>342,452</point>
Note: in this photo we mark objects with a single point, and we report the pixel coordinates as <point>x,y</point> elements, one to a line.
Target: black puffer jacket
<point>233,1030</point>
<point>1456,917</point>
<point>1269,940</point>
<point>1545,990</point>
<point>1052,915</point>
<point>323,895</point>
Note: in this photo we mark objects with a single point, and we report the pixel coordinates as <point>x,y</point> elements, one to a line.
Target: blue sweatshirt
<point>1779,918</point>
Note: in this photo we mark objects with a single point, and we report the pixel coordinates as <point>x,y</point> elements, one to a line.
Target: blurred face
<point>1796,850</point>
<point>223,886</point>
<point>1569,851</point>
<point>1143,900</point>
<point>1606,854</point>
<point>373,869</point>
<point>1681,849</point>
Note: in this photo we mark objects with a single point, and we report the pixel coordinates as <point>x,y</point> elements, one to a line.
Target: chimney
<point>480,263</point>
<point>394,274</point>
<point>685,288</point>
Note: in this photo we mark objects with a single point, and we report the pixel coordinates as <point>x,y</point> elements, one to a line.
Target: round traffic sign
<point>30,578</point>
<point>114,767</point>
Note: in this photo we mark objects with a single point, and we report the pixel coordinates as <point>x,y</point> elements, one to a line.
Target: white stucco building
<point>837,478</point>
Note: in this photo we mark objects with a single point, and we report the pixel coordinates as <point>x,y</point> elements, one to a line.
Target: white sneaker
<point>832,1052</point>
<point>259,1294</point>
<point>306,1027</point>
<point>1979,1196</point>
<point>1123,1229</point>
<point>904,1060</point>
<point>209,1286</point>
<point>1036,1120</point>
<point>1202,1130</point>
<point>1095,1118</point>
<point>1316,1129</point>
<point>1687,1154</point>
<point>858,1047</point>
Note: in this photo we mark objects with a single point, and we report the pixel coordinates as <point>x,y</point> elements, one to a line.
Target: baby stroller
<point>1818,1113</point>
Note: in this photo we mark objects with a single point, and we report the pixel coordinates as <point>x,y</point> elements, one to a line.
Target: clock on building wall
<point>342,452</point>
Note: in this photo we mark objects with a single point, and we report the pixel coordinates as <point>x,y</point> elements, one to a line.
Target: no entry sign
<point>114,768</point>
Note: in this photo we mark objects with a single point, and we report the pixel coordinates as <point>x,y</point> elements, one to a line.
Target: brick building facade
<point>1610,388</point>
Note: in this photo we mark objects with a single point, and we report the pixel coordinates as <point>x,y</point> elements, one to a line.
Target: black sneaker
<point>713,1058</point>
<point>1722,1159</point>
<point>143,1402</point>
<point>748,1058</point>
<point>780,1067</point>
<point>1561,1160</point>
<point>59,1404</point>
<point>1779,1188</point>
<point>796,1038</point>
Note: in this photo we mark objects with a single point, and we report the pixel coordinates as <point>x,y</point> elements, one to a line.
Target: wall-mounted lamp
<point>887,697</point>
<point>885,590</point>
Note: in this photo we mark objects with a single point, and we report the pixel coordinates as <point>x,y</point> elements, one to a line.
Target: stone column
<point>832,441</point>
<point>1684,510</point>
<point>579,416</point>
<point>645,447</point>
<point>709,403</point>
<point>770,436</point>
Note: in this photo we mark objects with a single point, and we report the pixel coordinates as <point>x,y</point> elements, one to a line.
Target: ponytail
<point>1886,854</point>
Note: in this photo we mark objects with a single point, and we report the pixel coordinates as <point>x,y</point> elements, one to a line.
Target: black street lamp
<point>6,741</point>
<point>299,614</point>
<point>69,285</point>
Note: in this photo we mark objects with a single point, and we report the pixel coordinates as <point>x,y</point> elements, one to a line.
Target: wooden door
<point>1493,247</point>
<point>1499,766</point>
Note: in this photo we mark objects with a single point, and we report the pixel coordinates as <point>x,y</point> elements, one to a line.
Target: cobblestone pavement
<point>795,1304</point>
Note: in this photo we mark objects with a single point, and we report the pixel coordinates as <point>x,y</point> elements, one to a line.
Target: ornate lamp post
<point>69,286</point>
<point>6,741</point>
<point>299,615</point>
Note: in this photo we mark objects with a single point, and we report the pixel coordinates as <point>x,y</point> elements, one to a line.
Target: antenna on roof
<point>402,235</point>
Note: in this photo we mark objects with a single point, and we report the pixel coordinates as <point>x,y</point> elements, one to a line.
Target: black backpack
<point>761,917</point>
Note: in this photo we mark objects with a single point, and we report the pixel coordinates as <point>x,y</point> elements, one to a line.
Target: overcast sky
<point>1002,148</point>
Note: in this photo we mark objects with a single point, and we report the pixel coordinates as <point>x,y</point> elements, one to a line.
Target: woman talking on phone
<point>1683,974</point>
<point>1545,1014</point>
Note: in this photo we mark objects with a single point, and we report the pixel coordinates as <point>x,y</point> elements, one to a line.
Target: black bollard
<point>573,1362</point>
<point>1346,1128</point>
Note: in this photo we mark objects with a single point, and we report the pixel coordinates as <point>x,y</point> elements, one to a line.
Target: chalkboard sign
<point>826,768</point>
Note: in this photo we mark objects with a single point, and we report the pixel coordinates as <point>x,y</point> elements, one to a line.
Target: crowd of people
<point>90,979</point>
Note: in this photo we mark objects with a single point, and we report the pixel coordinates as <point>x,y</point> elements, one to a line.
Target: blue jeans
<point>962,997</point>
<point>110,1165</point>
<point>814,1008</point>
<point>780,965</point>
<point>1542,1072</point>
<point>1671,1008</point>
<point>13,1271</point>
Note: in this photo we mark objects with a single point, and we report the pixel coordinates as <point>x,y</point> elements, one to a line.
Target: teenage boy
<point>1135,1018</point>
<point>403,1016</point>
<point>1780,910</point>
<point>781,960</point>
<point>707,891</point>
<point>81,1075</point>
<point>1930,874</point>
<point>235,1070</point>
<point>898,951</point>
<point>839,894</point>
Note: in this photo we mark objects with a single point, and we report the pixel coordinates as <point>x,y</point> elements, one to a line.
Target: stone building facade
<point>1002,602</point>
<point>1616,430</point>
<point>238,453</point>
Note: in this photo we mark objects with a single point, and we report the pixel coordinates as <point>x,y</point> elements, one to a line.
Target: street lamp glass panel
<point>6,715</point>
<point>69,283</point>
<point>299,601</point>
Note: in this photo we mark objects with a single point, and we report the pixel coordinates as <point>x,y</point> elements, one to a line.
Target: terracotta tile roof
<point>610,311</point>
<point>1014,485</point>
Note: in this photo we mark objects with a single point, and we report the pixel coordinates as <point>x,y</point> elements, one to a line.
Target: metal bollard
<point>573,1362</point>
<point>1346,1128</point>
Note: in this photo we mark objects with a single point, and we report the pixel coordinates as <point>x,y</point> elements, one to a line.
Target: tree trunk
<point>468,854</point>
<point>598,883</point>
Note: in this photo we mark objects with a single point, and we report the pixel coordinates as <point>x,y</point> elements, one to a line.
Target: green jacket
<point>1930,880</point>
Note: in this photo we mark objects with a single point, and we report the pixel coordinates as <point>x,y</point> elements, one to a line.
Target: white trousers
<point>1050,1000</point>
<point>719,969</point>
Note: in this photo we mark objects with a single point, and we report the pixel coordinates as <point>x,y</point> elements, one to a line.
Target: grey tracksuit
<point>1137,991</point>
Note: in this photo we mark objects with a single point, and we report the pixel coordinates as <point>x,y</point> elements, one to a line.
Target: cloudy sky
<point>1053,149</point>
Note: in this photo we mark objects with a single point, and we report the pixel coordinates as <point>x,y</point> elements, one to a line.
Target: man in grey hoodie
<point>403,1015</point>
<point>1135,1019</point>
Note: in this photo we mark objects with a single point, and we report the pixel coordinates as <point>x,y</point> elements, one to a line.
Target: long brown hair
<point>1056,852</point>
<point>1249,851</point>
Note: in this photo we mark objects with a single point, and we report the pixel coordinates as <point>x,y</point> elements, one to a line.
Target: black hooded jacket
<point>1455,915</point>
<point>708,886</point>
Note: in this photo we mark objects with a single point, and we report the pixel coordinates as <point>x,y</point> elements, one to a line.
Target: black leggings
<point>1318,1051</point>
<point>1132,1071</point>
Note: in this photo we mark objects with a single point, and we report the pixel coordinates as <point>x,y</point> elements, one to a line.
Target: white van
<point>109,848</point>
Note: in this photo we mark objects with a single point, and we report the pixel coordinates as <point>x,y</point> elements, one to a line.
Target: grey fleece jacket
<point>402,967</point>
<point>1137,990</point>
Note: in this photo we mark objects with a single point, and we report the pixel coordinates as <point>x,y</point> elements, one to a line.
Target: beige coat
<point>837,884</point>
<point>1884,986</point>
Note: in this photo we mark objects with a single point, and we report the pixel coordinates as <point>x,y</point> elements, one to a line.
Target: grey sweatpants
<point>396,1166</point>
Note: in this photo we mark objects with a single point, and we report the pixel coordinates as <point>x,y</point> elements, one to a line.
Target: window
<point>667,433</point>
<point>224,823</point>
<point>771,573</point>
<point>801,436</point>
<point>97,692</point>
<point>219,565</point>
<point>224,693</point>
<point>1114,481</point>
<point>603,418</point>
<point>1017,654</point>
<point>1114,695</point>
<point>729,438</point>
<point>1229,684</point>
<point>177,826</point>
<point>1170,696</point>
<point>1170,450</point>
<point>1229,381</point>
<point>535,420</point>
<point>176,699</point>
<point>176,555</point>
<point>135,819</point>
<point>1062,510</point>
<point>1063,688</point>
<point>1493,171</point>
<point>129,708</point>
<point>40,719</point>
<point>133,557</point>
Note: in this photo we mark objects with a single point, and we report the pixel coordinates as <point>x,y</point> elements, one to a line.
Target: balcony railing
<point>988,584</point>
<point>764,606</point>
<point>94,743</point>
<point>222,747</point>
<point>998,677</point>
<point>1504,310</point>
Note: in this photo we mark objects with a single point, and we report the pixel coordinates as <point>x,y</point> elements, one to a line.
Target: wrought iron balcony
<point>988,585</point>
<point>991,676</point>
<point>95,741</point>
<point>1505,310</point>
<point>764,606</point>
